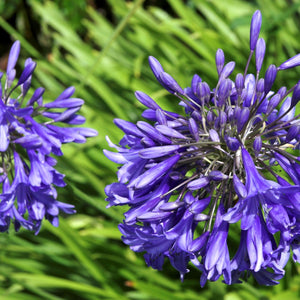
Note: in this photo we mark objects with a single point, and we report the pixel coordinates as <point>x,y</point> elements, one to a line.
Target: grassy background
<point>102,50</point>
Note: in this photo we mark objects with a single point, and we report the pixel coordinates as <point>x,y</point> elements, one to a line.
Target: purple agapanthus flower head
<point>31,132</point>
<point>188,178</point>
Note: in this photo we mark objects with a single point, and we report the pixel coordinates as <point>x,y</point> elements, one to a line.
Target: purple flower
<point>188,177</point>
<point>29,135</point>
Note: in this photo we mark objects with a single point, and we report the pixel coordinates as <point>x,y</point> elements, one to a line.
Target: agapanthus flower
<point>31,132</point>
<point>188,178</point>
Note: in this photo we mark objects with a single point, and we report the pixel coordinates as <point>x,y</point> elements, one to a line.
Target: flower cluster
<point>189,177</point>
<point>29,135</point>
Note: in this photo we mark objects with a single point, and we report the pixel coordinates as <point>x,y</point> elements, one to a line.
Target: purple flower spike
<point>28,143</point>
<point>214,164</point>
<point>255,29</point>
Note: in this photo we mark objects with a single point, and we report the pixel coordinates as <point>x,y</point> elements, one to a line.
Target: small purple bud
<point>189,198</point>
<point>224,91</point>
<point>255,29</point>
<point>290,63</point>
<point>10,77</point>
<point>270,77</point>
<point>200,205</point>
<point>66,103</point>
<point>165,130</point>
<point>296,95</point>
<point>170,83</point>
<point>193,127</point>
<point>128,127</point>
<point>13,56</point>
<point>214,135</point>
<point>223,119</point>
<point>260,87</point>
<point>198,183</point>
<point>227,70</point>
<point>160,117</point>
<point>29,142</point>
<point>220,59</point>
<point>260,53</point>
<point>152,216</point>
<point>25,86</point>
<point>195,82</point>
<point>38,93</point>
<point>230,113</point>
<point>257,144</point>
<point>199,242</point>
<point>243,118</point>
<point>232,143</point>
<point>196,116</point>
<point>273,102</point>
<point>282,91</point>
<point>217,176</point>
<point>175,175</point>
<point>210,117</point>
<point>292,133</point>
<point>239,83</point>
<point>239,188</point>
<point>146,100</point>
<point>158,151</point>
<point>203,92</point>
<point>28,70</point>
<point>156,67</point>
<point>66,94</point>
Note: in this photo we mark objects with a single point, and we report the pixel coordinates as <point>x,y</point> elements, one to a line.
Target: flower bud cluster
<point>187,177</point>
<point>29,136</point>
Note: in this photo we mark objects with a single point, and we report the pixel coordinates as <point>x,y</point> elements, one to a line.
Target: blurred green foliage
<point>102,51</point>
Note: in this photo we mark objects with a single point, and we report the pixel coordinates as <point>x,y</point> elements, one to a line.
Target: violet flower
<point>30,133</point>
<point>188,177</point>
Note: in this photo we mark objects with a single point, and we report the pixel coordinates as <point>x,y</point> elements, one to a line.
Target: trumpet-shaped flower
<point>189,177</point>
<point>30,134</point>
